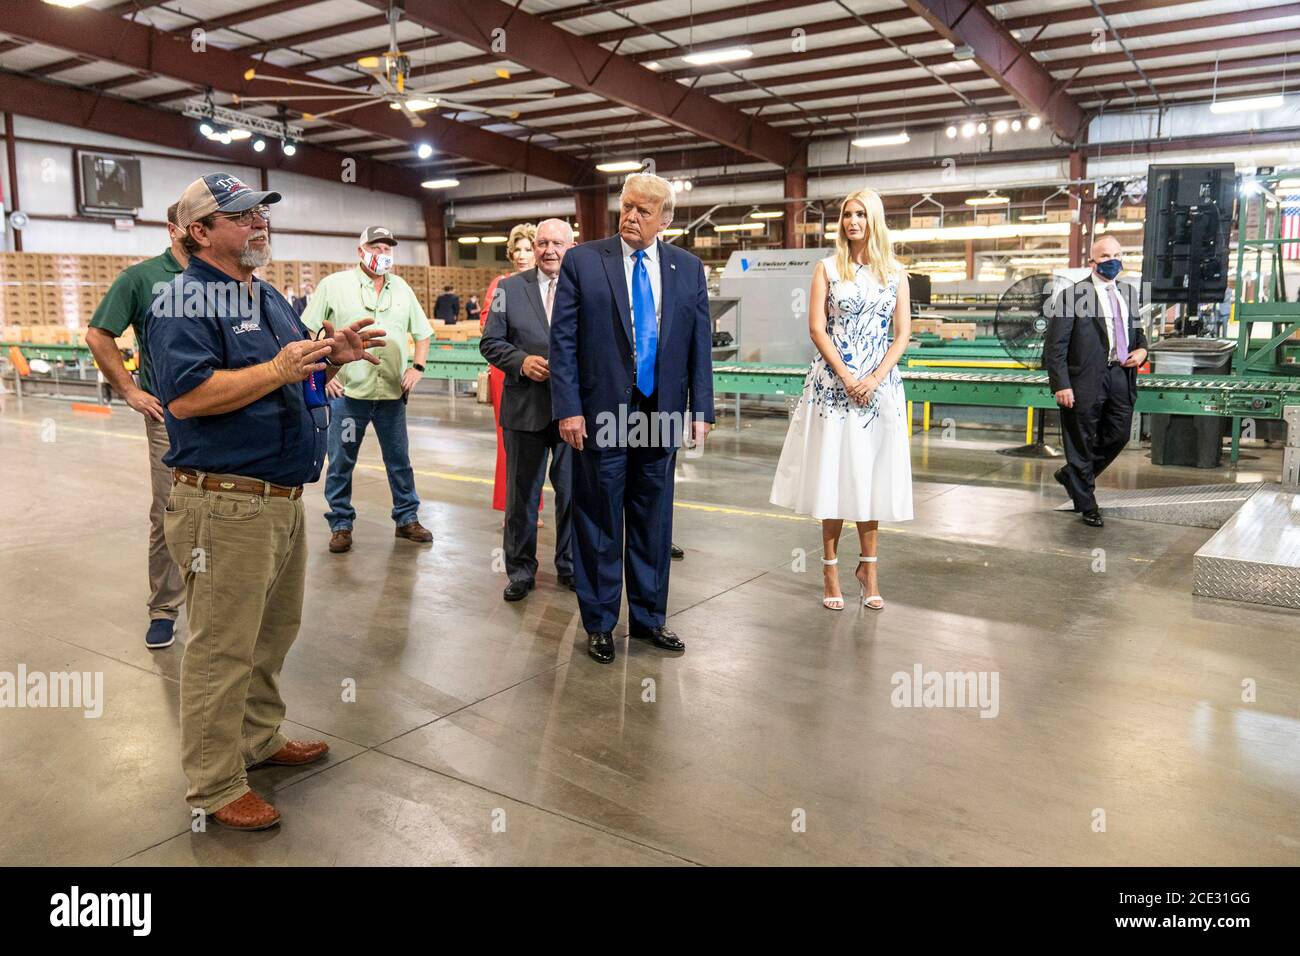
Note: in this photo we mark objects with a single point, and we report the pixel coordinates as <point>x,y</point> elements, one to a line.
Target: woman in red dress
<point>519,248</point>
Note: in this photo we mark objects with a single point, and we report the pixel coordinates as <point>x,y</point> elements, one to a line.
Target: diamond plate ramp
<point>1193,506</point>
<point>1255,556</point>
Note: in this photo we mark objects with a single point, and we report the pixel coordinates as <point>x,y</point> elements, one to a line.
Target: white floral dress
<point>842,459</point>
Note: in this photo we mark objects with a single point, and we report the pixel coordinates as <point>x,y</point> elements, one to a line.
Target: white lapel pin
<point>672,265</point>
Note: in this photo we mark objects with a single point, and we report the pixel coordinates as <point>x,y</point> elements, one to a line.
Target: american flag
<point>1291,230</point>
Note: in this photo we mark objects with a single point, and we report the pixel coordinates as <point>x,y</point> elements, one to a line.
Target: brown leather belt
<point>245,486</point>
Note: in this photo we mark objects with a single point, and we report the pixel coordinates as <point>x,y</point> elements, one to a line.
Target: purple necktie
<point>1121,333</point>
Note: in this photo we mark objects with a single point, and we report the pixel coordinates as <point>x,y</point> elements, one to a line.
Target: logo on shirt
<point>248,325</point>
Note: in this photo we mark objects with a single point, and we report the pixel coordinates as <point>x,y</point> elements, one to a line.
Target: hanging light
<point>289,147</point>
<point>1015,125</point>
<point>992,199</point>
<point>424,151</point>
<point>1034,122</point>
<point>259,145</point>
<point>967,130</point>
<point>1000,126</point>
<point>206,129</point>
<point>951,132</point>
<point>983,128</point>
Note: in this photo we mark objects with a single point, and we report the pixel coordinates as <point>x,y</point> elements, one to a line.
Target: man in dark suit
<point>1093,348</point>
<point>517,340</point>
<point>446,308</point>
<point>630,343</point>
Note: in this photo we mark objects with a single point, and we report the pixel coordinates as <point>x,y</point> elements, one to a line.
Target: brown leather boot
<point>415,532</point>
<point>249,812</point>
<point>295,753</point>
<point>340,541</point>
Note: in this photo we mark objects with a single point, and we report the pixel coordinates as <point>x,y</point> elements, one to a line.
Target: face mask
<point>377,262</point>
<point>1109,269</point>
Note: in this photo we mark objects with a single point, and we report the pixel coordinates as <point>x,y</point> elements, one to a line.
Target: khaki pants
<point>244,561</point>
<point>166,590</point>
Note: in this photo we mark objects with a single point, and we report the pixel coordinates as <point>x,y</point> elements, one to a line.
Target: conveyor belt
<point>1216,383</point>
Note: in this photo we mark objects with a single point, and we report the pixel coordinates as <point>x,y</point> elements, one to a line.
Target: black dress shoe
<point>517,590</point>
<point>678,553</point>
<point>567,581</point>
<point>1059,475</point>
<point>661,636</point>
<point>601,647</point>
<point>1093,518</point>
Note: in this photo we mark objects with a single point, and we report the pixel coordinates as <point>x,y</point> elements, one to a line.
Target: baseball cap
<point>218,192</point>
<point>376,234</point>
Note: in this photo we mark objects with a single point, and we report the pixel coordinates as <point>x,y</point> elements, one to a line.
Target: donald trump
<point>630,352</point>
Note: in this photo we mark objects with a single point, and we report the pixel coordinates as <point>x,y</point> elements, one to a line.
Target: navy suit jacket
<point>592,365</point>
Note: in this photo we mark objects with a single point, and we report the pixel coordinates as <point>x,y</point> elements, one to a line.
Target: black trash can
<point>1193,441</point>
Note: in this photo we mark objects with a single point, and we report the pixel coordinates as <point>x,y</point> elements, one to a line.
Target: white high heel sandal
<point>832,603</point>
<point>873,601</point>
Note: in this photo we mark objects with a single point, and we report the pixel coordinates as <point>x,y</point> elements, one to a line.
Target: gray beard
<point>250,258</point>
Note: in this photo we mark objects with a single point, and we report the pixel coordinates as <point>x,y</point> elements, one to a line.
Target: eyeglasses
<point>245,218</point>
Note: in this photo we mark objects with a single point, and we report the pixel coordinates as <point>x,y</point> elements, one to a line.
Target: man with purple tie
<point>630,350</point>
<point>1093,348</point>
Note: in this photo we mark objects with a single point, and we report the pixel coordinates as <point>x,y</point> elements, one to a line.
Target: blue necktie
<point>644,325</point>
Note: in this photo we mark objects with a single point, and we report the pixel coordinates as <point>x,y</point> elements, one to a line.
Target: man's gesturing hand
<point>351,342</point>
<point>573,430</point>
<point>536,368</point>
<point>299,359</point>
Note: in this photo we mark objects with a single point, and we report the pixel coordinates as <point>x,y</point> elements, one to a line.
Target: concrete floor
<point>1120,693</point>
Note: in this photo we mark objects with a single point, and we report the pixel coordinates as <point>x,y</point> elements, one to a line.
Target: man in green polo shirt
<point>376,393</point>
<point>127,304</point>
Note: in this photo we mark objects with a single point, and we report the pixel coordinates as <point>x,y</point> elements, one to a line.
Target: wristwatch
<point>418,367</point>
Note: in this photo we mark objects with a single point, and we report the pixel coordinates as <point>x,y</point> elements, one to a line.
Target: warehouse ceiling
<point>616,82</point>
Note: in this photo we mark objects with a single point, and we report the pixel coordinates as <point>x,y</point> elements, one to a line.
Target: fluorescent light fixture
<point>424,151</point>
<point>239,134</point>
<point>1033,217</point>
<point>673,232</point>
<point>468,240</point>
<point>1011,230</point>
<point>890,139</point>
<point>495,240</point>
<point>992,199</point>
<point>740,227</point>
<point>652,65</point>
<point>1269,102</point>
<point>1124,225</point>
<point>440,183</point>
<point>718,56</point>
<point>66,3</point>
<point>620,166</point>
<point>1034,122</point>
<point>766,214</point>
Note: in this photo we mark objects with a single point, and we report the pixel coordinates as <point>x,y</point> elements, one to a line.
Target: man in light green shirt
<point>376,393</point>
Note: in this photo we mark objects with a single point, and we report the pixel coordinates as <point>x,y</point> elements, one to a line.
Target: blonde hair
<point>525,230</point>
<point>656,187</point>
<point>880,248</point>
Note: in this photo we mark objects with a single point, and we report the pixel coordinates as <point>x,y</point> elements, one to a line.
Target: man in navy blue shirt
<point>243,388</point>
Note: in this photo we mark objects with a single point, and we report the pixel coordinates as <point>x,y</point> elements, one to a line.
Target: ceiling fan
<point>391,71</point>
